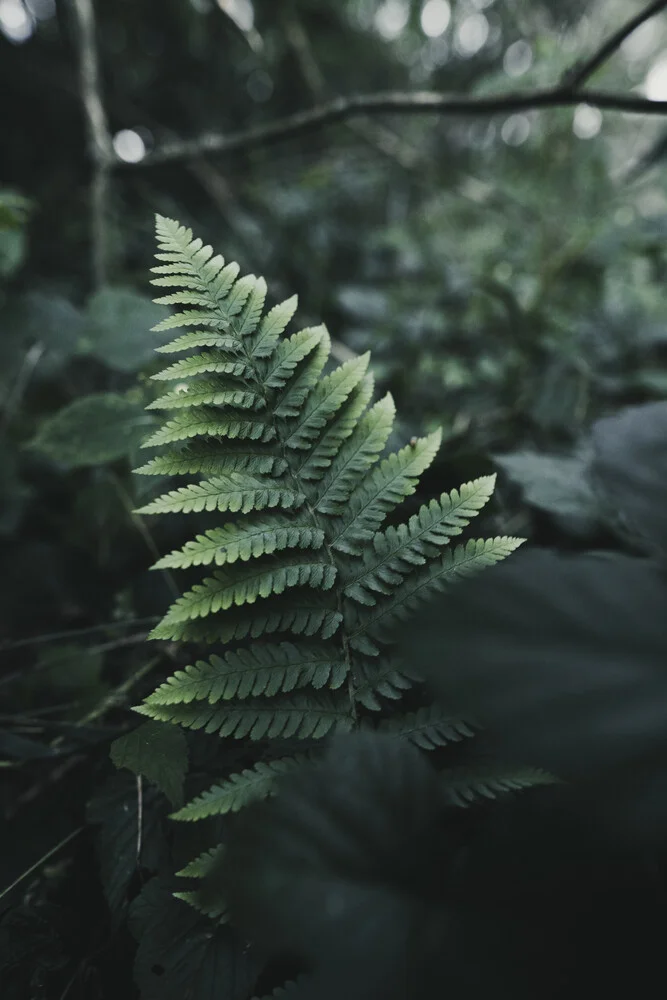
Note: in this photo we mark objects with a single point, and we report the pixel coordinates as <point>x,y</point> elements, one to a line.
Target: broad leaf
<point>102,427</point>
<point>157,751</point>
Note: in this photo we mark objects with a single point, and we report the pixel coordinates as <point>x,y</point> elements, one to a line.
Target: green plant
<point>305,585</point>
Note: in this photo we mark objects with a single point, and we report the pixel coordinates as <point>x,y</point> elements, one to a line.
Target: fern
<point>239,790</point>
<point>304,586</point>
<point>464,786</point>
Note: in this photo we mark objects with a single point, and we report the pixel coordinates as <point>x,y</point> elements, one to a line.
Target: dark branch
<point>344,108</point>
<point>99,135</point>
<point>577,76</point>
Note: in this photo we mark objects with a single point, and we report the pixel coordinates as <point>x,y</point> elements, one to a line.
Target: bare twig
<point>99,135</point>
<point>373,133</point>
<point>341,109</point>
<point>45,857</point>
<point>578,75</point>
<point>75,633</point>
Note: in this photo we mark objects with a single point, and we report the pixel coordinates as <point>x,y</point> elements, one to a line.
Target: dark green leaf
<point>102,427</point>
<point>157,751</point>
<point>118,329</point>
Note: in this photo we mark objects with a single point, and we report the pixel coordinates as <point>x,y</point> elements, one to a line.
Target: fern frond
<point>301,716</point>
<point>388,484</point>
<point>262,670</point>
<point>245,584</point>
<point>242,541</point>
<point>300,615</point>
<point>288,354</point>
<point>204,864</point>
<point>263,343</point>
<point>356,456</point>
<point>379,677</point>
<point>216,909</point>
<point>211,423</point>
<point>397,550</point>
<point>207,392</point>
<point>324,401</point>
<point>370,624</point>
<point>303,576</point>
<point>238,791</point>
<point>313,462</point>
<point>464,786</point>
<point>289,401</point>
<point>186,317</point>
<point>217,362</point>
<point>200,338</point>
<point>212,457</point>
<point>238,491</point>
<point>427,728</point>
<point>252,308</point>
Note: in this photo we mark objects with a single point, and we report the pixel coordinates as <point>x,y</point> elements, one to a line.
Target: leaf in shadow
<point>630,469</point>
<point>345,870</point>
<point>563,659</point>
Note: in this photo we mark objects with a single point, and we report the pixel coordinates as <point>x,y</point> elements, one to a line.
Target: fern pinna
<point>302,585</point>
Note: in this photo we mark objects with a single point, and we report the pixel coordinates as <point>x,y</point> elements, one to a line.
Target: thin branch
<point>99,135</point>
<point>341,109</point>
<point>74,633</point>
<point>578,75</point>
<point>44,857</point>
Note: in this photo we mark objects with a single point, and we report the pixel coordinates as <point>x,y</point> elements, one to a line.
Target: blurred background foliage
<point>506,271</point>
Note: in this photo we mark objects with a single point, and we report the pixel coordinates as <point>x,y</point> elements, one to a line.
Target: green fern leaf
<point>244,585</point>
<point>252,310</point>
<point>396,551</point>
<point>200,364</point>
<point>238,791</point>
<point>200,338</point>
<point>325,400</point>
<point>237,491</point>
<point>212,423</point>
<point>301,717</point>
<point>214,457</point>
<point>317,459</point>
<point>374,623</point>
<point>187,317</point>
<point>464,786</point>
<point>381,677</point>
<point>242,541</point>
<point>183,298</point>
<point>288,354</point>
<point>427,728</point>
<point>356,456</point>
<point>207,392</point>
<point>290,400</point>
<point>205,864</point>
<point>391,482</point>
<point>300,615</point>
<point>263,343</point>
<point>261,670</point>
<point>215,909</point>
